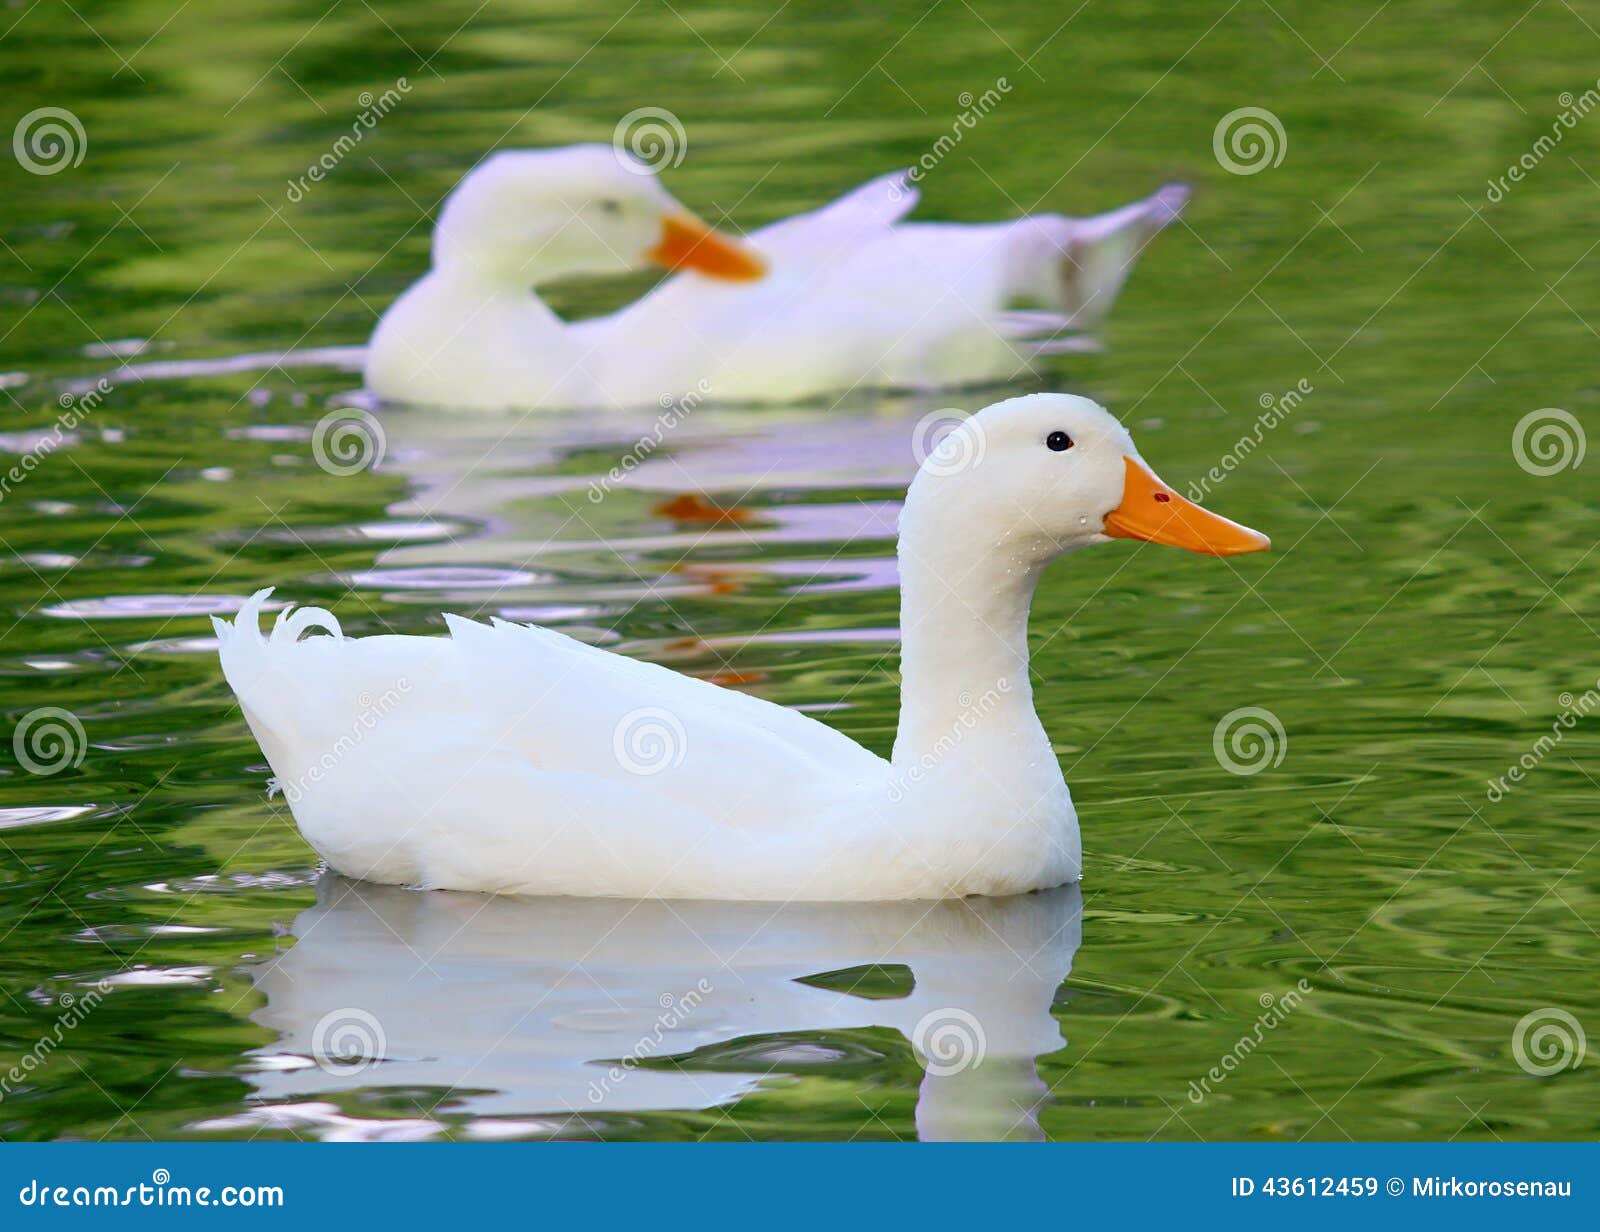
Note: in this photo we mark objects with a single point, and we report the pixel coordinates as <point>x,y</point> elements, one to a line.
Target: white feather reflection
<point>503,1009</point>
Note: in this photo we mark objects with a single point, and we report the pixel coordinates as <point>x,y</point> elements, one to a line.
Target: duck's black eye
<point>611,206</point>
<point>1058,441</point>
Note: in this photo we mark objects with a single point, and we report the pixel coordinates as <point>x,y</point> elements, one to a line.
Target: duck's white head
<point>1043,474</point>
<point>522,217</point>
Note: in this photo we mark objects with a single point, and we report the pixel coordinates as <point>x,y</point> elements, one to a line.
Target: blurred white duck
<point>512,758</point>
<point>847,296</point>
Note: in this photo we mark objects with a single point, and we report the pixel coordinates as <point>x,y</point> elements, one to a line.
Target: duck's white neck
<point>964,643</point>
<point>490,276</point>
<point>490,316</point>
<point>459,338</point>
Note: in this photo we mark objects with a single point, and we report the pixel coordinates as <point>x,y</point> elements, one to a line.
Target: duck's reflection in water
<point>548,496</point>
<point>547,1007</point>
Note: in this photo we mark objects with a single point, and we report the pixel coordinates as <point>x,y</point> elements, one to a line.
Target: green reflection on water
<point>1427,607</point>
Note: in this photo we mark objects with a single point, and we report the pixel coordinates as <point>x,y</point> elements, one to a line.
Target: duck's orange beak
<point>687,243</point>
<point>1152,511</point>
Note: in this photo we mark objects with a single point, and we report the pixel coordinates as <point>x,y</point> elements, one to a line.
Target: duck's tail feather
<point>285,697</point>
<point>244,630</point>
<point>1077,266</point>
<point>1101,252</point>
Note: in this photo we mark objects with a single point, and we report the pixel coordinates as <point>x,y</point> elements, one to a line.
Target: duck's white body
<point>508,758</point>
<point>852,297</point>
<point>855,298</point>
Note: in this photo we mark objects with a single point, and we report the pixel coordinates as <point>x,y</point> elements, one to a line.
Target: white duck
<point>851,297</point>
<point>511,758</point>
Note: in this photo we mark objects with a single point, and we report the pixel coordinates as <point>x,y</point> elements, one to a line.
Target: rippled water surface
<point>1358,909</point>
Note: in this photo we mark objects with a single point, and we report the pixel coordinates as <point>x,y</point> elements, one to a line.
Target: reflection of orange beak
<point>687,243</point>
<point>1152,511</point>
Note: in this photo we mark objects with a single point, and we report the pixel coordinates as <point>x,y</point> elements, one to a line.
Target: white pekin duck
<point>510,758</point>
<point>848,296</point>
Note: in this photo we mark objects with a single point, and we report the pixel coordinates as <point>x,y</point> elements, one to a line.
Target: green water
<point>1427,608</point>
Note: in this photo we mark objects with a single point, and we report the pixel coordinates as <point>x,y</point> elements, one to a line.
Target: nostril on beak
<point>1163,497</point>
